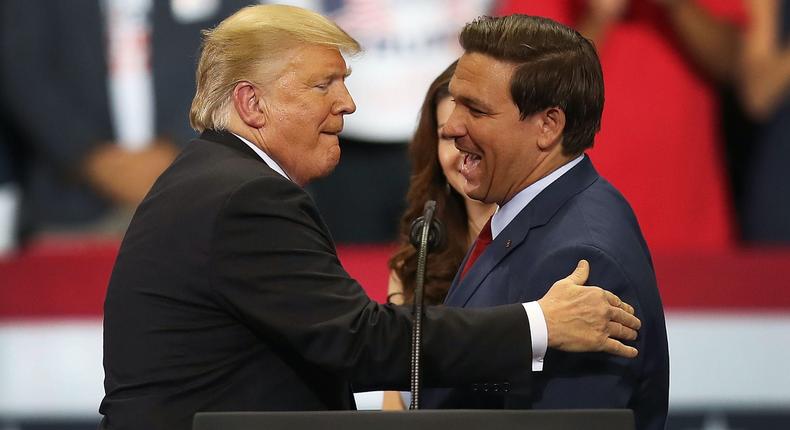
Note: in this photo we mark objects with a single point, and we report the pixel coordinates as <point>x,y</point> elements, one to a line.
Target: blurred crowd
<point>94,96</point>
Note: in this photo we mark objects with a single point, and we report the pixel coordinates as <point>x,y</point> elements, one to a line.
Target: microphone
<point>426,234</point>
<point>435,232</point>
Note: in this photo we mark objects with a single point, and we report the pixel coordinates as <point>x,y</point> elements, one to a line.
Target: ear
<point>552,124</point>
<point>248,105</point>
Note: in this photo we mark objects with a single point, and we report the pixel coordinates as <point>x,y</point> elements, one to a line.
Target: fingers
<point>580,274</point>
<point>617,348</point>
<point>620,316</point>
<point>620,331</point>
<point>615,301</point>
<point>626,307</point>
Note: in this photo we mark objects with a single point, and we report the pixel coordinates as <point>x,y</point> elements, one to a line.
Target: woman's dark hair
<point>429,183</point>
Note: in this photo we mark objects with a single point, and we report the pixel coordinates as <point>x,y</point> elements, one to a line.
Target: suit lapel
<point>537,213</point>
<point>460,293</point>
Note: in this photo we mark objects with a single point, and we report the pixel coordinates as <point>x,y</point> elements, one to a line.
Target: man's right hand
<point>582,318</point>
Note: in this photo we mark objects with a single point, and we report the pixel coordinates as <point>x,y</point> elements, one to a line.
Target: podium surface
<point>574,419</point>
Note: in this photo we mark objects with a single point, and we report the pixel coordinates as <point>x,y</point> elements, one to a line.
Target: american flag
<point>363,19</point>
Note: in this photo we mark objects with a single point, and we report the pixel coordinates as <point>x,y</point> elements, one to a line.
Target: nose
<point>454,127</point>
<point>345,103</point>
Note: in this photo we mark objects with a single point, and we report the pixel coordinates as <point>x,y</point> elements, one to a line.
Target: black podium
<point>575,419</point>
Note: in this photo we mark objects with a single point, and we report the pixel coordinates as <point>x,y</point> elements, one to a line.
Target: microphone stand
<point>426,234</point>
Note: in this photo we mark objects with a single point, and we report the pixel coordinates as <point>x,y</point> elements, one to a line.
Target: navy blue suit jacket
<point>578,216</point>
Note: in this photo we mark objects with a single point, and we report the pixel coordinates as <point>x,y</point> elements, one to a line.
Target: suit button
<point>506,387</point>
<point>485,388</point>
<point>495,388</point>
<point>475,387</point>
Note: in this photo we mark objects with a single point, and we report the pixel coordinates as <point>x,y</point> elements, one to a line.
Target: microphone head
<point>435,233</point>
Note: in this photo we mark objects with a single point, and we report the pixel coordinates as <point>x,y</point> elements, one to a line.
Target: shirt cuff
<point>539,333</point>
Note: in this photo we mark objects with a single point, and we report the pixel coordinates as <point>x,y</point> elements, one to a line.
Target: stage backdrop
<point>728,317</point>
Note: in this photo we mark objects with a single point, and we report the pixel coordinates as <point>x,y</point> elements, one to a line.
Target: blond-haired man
<point>227,293</point>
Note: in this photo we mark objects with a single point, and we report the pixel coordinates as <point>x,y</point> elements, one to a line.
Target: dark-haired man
<point>529,97</point>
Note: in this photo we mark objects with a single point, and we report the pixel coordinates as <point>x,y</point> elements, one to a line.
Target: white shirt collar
<point>505,214</point>
<point>268,160</point>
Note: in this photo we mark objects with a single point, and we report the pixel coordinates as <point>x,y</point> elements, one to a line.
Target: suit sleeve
<point>277,271</point>
<point>608,381</point>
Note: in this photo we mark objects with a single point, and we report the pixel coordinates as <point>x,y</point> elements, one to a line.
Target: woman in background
<point>435,176</point>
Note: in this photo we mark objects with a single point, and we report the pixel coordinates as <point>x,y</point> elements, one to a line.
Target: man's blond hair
<point>247,43</point>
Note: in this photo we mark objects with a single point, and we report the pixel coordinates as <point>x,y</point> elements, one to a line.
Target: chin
<point>472,194</point>
<point>480,193</point>
<point>329,167</point>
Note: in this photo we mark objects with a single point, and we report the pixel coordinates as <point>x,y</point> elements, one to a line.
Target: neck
<point>551,162</point>
<point>478,214</point>
<point>257,138</point>
<point>238,127</point>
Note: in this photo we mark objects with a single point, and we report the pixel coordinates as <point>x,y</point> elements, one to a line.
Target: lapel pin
<point>508,243</point>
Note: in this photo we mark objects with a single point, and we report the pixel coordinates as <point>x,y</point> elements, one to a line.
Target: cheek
<point>485,134</point>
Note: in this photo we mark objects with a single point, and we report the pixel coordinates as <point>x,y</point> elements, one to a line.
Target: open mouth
<point>470,162</point>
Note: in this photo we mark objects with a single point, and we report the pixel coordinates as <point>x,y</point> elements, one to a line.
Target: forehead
<point>483,78</point>
<point>302,63</point>
<point>316,60</point>
<point>444,107</point>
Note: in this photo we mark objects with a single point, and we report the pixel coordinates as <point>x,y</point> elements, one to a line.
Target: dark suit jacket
<point>578,216</point>
<point>227,295</point>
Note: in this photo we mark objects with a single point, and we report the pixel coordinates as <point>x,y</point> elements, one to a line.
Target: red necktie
<point>483,240</point>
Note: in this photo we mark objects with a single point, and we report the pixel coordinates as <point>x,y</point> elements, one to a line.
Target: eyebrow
<point>471,101</point>
<point>332,76</point>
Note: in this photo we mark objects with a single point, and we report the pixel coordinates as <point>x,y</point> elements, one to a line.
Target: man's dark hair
<point>556,67</point>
